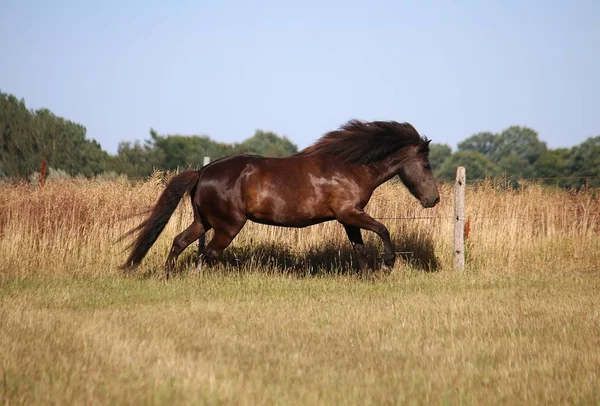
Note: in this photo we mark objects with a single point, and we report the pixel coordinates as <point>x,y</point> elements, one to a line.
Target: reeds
<point>71,227</point>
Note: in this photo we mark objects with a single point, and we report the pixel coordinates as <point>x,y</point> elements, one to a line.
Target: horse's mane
<point>361,143</point>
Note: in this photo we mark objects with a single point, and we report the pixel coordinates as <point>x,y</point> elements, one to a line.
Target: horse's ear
<point>425,146</point>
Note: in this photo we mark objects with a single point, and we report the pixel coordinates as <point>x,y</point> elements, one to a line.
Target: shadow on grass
<point>412,250</point>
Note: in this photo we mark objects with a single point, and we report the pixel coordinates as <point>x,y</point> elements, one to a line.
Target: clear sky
<point>227,68</point>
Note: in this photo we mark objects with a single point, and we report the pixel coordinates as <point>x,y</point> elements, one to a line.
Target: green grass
<point>266,338</point>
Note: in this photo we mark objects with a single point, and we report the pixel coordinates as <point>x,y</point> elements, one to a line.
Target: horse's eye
<point>427,166</point>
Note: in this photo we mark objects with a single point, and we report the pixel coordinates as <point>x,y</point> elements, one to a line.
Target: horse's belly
<point>288,214</point>
<point>290,203</point>
<point>289,221</point>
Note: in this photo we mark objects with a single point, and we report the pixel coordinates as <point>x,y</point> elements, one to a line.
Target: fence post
<point>459,219</point>
<point>43,173</point>
<point>202,239</point>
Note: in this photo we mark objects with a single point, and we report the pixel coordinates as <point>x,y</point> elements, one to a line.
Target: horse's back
<point>292,191</point>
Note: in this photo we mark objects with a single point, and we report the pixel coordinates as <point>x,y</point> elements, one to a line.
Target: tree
<point>520,141</point>
<point>63,143</point>
<point>554,163</point>
<point>485,143</point>
<point>26,137</point>
<point>267,143</point>
<point>180,151</point>
<point>516,166</point>
<point>478,166</point>
<point>514,150</point>
<point>517,140</point>
<point>438,153</point>
<point>135,159</point>
<point>18,151</point>
<point>585,162</point>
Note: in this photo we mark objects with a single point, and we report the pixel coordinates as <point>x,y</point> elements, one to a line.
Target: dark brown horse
<point>333,179</point>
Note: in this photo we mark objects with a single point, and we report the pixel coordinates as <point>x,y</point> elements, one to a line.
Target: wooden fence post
<point>202,240</point>
<point>459,219</point>
<point>43,173</point>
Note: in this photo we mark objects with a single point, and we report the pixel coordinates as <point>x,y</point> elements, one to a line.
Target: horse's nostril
<point>436,201</point>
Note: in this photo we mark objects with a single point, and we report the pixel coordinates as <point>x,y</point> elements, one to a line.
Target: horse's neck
<point>383,171</point>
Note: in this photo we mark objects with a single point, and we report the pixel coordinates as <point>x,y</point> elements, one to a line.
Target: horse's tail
<point>150,229</point>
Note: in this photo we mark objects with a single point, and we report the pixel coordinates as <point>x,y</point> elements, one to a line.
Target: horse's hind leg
<point>223,236</point>
<point>356,240</point>
<point>201,247</point>
<point>180,243</point>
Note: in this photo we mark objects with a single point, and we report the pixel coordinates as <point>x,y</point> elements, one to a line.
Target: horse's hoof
<point>388,262</point>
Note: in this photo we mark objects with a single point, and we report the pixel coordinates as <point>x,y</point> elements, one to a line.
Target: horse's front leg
<point>360,219</point>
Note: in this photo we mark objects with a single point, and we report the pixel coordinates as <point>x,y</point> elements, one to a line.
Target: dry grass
<point>70,228</point>
<point>286,321</point>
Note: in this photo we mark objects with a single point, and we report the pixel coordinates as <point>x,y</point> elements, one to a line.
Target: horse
<point>332,179</point>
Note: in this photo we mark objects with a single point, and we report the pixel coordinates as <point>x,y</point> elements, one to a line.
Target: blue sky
<point>227,68</point>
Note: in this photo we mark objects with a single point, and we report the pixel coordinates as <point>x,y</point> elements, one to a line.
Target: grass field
<point>285,319</point>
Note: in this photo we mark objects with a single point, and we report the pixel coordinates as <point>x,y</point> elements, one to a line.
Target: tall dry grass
<point>70,227</point>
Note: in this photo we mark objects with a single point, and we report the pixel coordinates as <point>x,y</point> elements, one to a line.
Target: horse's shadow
<point>336,258</point>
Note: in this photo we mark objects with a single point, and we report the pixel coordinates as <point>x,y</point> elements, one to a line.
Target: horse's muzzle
<point>428,203</point>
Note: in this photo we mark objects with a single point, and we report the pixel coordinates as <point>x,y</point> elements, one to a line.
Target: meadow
<point>285,319</point>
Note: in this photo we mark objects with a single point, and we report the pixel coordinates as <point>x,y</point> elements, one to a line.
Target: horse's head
<point>416,174</point>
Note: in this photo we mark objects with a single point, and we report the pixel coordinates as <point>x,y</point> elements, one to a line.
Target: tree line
<point>27,137</point>
<point>518,153</point>
<point>181,151</point>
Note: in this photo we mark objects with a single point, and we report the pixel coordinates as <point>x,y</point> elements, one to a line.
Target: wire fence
<point>462,224</point>
<point>562,182</point>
